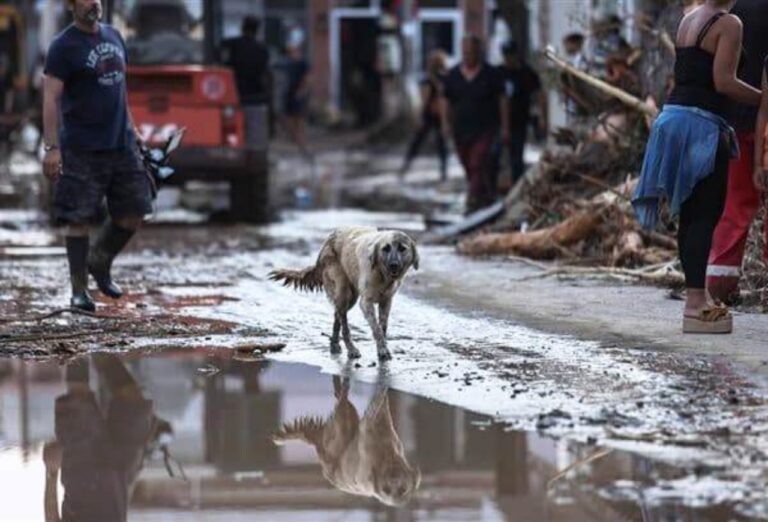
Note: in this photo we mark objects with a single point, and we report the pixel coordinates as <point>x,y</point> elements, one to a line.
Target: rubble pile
<point>754,283</point>
<point>574,206</point>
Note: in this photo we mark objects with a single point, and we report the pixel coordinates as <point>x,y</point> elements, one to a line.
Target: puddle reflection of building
<point>240,418</point>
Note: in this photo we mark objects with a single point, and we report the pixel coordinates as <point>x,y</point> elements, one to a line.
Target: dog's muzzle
<point>394,269</point>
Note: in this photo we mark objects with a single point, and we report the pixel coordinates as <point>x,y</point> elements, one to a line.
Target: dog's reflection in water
<point>362,456</point>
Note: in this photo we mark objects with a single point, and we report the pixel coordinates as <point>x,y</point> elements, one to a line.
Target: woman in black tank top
<point>689,148</point>
<point>694,79</point>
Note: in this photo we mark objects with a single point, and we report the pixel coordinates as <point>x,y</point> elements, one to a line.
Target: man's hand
<point>760,178</point>
<point>52,164</point>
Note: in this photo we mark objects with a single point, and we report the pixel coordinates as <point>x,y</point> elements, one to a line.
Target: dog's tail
<point>308,429</point>
<point>309,279</point>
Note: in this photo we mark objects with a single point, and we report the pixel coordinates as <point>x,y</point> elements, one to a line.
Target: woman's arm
<point>760,172</point>
<point>727,55</point>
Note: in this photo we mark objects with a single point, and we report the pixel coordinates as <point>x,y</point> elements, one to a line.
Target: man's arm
<point>761,169</point>
<point>503,107</point>
<point>52,91</point>
<point>504,115</point>
<point>445,116</point>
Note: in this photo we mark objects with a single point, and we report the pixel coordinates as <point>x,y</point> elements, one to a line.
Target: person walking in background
<point>296,96</point>
<point>249,60</point>
<point>686,158</point>
<point>474,110</point>
<point>521,84</point>
<point>576,105</point>
<point>431,88</point>
<point>744,196</point>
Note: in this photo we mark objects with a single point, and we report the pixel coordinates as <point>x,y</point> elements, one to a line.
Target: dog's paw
<point>354,353</point>
<point>385,355</point>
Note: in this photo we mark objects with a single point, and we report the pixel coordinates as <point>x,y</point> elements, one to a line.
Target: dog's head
<point>396,484</point>
<point>394,253</point>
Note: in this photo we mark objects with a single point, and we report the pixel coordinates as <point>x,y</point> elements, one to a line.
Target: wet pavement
<point>488,409</point>
<point>258,440</point>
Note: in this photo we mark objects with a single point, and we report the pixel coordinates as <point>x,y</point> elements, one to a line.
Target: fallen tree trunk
<point>539,244</point>
<point>601,85</point>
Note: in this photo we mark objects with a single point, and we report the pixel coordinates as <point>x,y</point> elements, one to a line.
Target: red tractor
<point>174,82</point>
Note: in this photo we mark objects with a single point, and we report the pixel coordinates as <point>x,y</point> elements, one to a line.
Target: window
<point>161,31</point>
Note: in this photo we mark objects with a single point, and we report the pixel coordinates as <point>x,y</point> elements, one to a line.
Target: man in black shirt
<point>249,59</point>
<point>475,109</point>
<point>521,83</point>
<point>743,197</point>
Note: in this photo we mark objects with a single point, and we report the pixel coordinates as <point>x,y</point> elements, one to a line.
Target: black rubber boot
<point>110,240</point>
<point>77,254</point>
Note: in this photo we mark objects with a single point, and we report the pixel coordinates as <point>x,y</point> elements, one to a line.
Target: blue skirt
<point>681,151</point>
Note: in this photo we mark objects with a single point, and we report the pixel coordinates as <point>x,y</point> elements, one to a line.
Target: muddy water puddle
<point>201,435</point>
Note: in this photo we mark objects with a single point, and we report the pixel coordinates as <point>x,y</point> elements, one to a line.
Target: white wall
<point>551,20</point>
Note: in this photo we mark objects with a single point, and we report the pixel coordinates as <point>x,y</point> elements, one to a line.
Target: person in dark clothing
<point>6,83</point>
<point>475,110</point>
<point>296,96</point>
<point>249,60</point>
<point>430,116</point>
<point>686,160</point>
<point>744,197</point>
<point>100,446</point>
<point>521,84</point>
<point>91,149</point>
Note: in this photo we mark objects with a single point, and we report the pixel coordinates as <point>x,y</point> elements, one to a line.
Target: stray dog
<point>360,262</point>
<point>358,456</point>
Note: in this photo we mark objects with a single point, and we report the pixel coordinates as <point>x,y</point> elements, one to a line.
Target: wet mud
<point>649,432</point>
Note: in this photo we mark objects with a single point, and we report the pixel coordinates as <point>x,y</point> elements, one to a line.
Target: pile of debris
<point>574,205</point>
<point>754,283</point>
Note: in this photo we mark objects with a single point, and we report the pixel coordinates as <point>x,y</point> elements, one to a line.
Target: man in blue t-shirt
<point>90,148</point>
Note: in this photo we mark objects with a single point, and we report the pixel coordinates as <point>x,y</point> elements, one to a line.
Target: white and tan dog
<point>360,262</point>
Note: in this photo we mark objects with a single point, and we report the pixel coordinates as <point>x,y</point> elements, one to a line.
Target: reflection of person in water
<point>100,451</point>
<point>358,456</point>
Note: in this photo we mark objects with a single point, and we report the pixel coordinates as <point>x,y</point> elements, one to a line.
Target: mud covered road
<point>697,425</point>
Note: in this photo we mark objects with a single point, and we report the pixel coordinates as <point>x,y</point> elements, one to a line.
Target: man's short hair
<point>251,25</point>
<point>510,48</point>
<point>476,41</point>
<point>574,38</point>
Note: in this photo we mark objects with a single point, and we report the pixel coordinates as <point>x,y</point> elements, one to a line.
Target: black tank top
<point>694,81</point>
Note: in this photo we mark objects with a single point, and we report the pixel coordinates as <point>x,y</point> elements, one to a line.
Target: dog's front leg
<point>384,307</point>
<point>352,351</point>
<point>335,346</point>
<point>369,311</point>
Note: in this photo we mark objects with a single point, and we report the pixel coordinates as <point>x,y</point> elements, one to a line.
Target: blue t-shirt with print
<point>94,103</point>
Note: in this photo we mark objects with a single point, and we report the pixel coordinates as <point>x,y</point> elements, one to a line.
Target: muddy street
<point>486,414</point>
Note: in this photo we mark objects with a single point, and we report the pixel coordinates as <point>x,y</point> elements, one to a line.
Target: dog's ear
<point>414,254</point>
<point>374,256</point>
